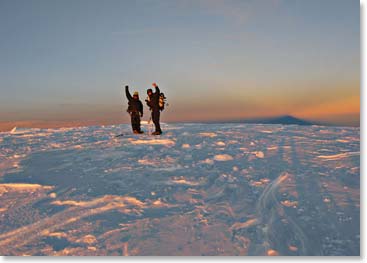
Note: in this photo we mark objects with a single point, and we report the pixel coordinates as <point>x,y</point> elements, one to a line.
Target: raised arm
<point>128,95</point>
<point>157,90</point>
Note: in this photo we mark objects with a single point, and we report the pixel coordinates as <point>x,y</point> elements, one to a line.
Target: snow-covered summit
<point>211,189</point>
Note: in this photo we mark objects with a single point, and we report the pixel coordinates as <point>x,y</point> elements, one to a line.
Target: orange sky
<point>214,60</point>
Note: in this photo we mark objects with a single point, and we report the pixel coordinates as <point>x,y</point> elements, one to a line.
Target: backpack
<point>162,101</point>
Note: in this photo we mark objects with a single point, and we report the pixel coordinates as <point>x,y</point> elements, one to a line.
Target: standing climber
<point>135,109</point>
<point>153,102</point>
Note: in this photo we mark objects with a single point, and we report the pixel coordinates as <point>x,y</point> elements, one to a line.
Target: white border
<point>254,259</point>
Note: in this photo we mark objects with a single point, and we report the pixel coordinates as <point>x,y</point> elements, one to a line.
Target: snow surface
<point>198,189</point>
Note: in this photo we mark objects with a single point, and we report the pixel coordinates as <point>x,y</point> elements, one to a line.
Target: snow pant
<point>155,117</point>
<point>135,121</point>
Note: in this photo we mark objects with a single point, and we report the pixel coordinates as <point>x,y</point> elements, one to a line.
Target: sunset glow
<point>65,62</point>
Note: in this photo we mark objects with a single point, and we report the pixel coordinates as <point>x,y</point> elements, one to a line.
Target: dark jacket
<point>135,105</point>
<point>153,102</point>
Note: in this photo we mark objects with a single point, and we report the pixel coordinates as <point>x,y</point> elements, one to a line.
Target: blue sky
<point>214,59</point>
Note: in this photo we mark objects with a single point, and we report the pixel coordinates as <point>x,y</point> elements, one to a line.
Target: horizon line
<point>6,126</point>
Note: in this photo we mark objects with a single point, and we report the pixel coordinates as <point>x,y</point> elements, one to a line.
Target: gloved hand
<point>154,84</point>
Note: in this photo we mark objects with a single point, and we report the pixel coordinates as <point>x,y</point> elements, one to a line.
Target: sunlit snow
<point>198,189</point>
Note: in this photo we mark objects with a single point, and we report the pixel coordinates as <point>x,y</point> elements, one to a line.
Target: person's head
<point>149,92</point>
<point>136,95</point>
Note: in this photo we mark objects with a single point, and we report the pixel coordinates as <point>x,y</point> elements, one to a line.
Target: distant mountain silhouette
<point>285,120</point>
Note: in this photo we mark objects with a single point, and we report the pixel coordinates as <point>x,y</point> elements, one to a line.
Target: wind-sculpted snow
<point>198,189</point>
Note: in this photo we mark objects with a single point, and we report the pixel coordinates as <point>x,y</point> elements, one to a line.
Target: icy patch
<point>207,161</point>
<point>167,164</point>
<point>262,182</point>
<point>77,147</point>
<point>272,148</point>
<point>259,154</point>
<point>342,141</point>
<point>155,142</point>
<point>24,187</point>
<point>293,248</point>
<point>147,162</point>
<point>52,195</point>
<point>185,146</point>
<point>220,143</point>
<point>168,169</point>
<point>256,183</point>
<point>289,203</point>
<point>272,252</point>
<point>208,134</point>
<point>248,223</point>
<point>56,234</point>
<point>338,156</point>
<point>183,182</point>
<point>88,239</point>
<point>109,200</point>
<point>223,157</point>
<point>198,146</point>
